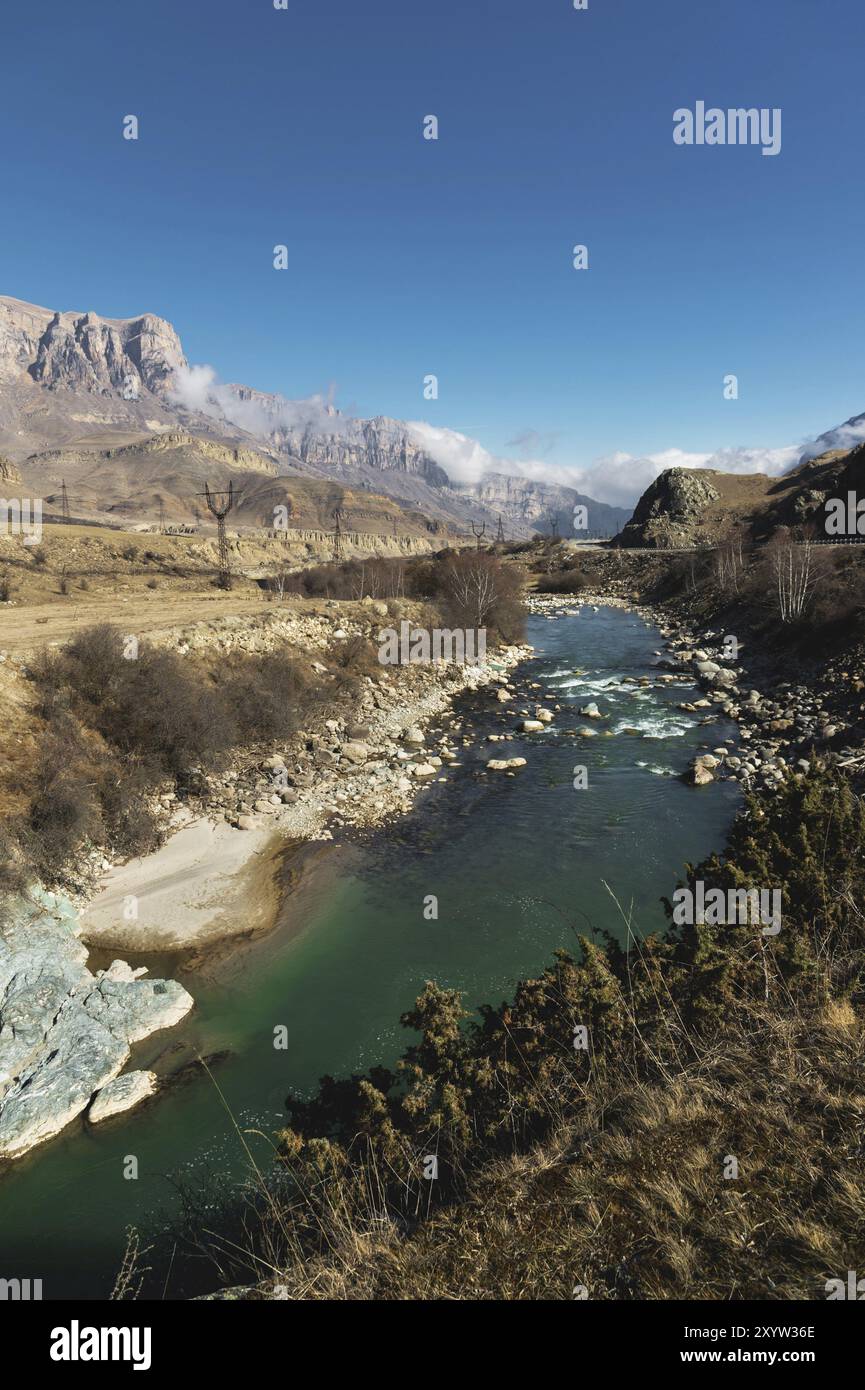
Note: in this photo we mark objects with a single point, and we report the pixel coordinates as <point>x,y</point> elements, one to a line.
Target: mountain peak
<point>65,349</point>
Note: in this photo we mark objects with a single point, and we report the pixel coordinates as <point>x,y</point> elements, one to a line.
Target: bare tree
<point>793,572</point>
<point>278,581</point>
<point>473,590</point>
<point>730,562</point>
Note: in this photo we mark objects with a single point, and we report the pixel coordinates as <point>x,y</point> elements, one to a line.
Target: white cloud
<point>845,436</point>
<point>463,459</point>
<point>198,389</point>
<point>618,478</point>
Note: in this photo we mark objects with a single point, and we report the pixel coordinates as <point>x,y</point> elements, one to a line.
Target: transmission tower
<point>162,516</point>
<point>337,535</point>
<point>220,509</point>
<point>500,534</point>
<point>479,534</point>
<point>64,502</point>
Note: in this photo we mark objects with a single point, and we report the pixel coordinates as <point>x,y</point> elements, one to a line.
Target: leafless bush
<point>267,695</point>
<point>13,871</point>
<point>794,574</point>
<point>65,812</point>
<point>481,591</point>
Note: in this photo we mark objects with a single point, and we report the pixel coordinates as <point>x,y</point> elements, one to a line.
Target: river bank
<point>215,878</point>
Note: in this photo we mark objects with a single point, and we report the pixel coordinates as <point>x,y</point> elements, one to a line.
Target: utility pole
<point>220,510</point>
<point>479,534</point>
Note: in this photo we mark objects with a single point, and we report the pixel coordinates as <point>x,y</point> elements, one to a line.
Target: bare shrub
<point>267,696</point>
<point>568,581</point>
<point>171,717</point>
<point>65,812</point>
<point>13,871</point>
<point>125,794</point>
<point>481,591</point>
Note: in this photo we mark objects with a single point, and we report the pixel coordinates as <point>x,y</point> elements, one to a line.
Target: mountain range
<point>111,408</point>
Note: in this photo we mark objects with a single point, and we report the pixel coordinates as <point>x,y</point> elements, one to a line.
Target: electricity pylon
<point>220,509</point>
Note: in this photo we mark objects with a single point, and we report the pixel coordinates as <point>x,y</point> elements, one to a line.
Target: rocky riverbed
<point>784,727</point>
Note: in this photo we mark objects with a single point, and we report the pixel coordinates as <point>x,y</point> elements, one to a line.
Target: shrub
<point>65,811</point>
<point>13,871</point>
<point>569,581</point>
<point>170,716</point>
<point>266,695</point>
<point>353,659</point>
<point>125,794</point>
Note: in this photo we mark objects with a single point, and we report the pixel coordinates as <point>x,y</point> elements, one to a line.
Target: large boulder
<point>65,1033</point>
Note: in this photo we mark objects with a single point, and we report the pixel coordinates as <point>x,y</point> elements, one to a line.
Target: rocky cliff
<point>84,352</point>
<point>541,507</point>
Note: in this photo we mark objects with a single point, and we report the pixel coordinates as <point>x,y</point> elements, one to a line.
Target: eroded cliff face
<point>319,436</point>
<point>524,503</point>
<point>84,352</point>
<point>8,473</point>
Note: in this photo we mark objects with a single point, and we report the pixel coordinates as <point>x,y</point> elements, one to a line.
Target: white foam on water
<point>659,725</point>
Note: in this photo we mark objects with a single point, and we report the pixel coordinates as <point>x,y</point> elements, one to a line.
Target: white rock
<point>121,1094</point>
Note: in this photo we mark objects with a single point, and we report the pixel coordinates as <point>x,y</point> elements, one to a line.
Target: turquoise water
<point>517,864</point>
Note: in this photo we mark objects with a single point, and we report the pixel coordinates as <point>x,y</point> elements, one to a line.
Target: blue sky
<point>407,257</point>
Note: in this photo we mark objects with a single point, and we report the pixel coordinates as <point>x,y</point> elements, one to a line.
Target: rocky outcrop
<point>83,352</point>
<point>8,472</point>
<point>65,1033</point>
<point>666,513</point>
